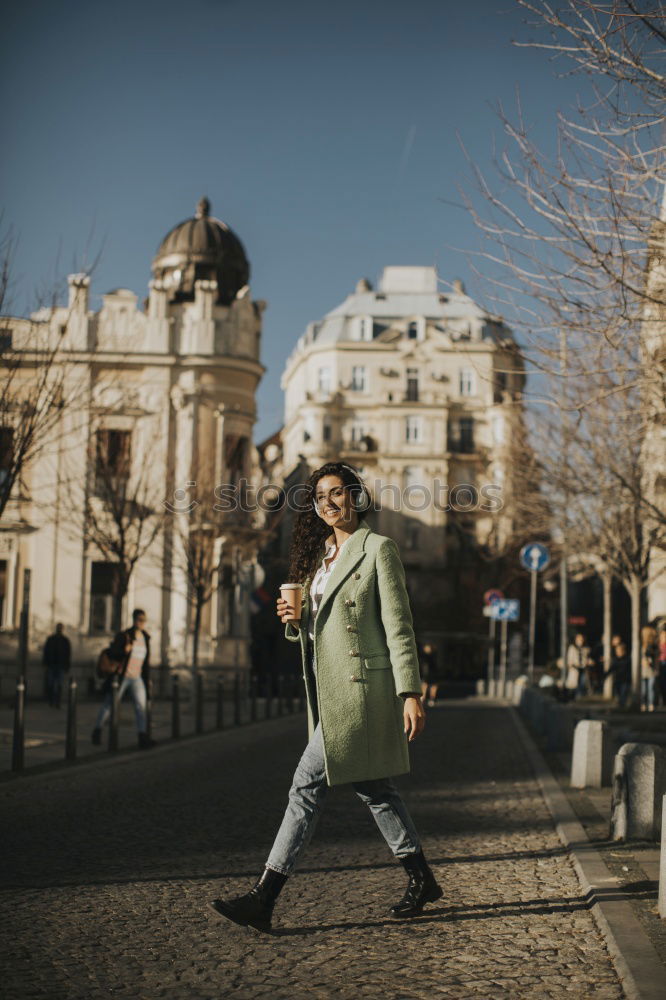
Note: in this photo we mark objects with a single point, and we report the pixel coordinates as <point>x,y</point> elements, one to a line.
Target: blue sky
<point>327,136</point>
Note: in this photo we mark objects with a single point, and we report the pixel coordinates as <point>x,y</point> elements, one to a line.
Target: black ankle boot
<point>254,908</point>
<point>422,888</point>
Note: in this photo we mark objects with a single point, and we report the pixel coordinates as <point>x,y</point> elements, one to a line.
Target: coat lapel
<point>351,555</point>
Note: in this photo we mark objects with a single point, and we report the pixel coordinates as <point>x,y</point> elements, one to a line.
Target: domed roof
<point>201,248</point>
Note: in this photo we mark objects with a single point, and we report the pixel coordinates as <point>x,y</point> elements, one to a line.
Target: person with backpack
<point>131,650</point>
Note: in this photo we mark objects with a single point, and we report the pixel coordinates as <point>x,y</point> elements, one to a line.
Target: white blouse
<point>320,580</point>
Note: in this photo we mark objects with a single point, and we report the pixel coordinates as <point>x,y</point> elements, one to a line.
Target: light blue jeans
<point>137,691</point>
<point>648,691</point>
<point>306,799</point>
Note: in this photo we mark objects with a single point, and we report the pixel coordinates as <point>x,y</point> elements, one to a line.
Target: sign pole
<point>491,654</point>
<point>503,642</point>
<point>533,593</point>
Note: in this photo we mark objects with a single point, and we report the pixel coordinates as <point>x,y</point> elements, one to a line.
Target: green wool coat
<point>366,656</point>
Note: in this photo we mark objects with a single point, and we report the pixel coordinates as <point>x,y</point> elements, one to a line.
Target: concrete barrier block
<point>591,761</point>
<point>662,862</point>
<point>559,728</point>
<point>639,785</point>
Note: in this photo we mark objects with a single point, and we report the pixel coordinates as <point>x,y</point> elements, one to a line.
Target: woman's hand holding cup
<point>289,603</point>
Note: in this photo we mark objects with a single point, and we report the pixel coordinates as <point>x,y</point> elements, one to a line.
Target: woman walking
<point>362,684</point>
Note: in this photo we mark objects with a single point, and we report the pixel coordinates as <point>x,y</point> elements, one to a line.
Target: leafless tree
<point>122,502</point>
<point>37,384</point>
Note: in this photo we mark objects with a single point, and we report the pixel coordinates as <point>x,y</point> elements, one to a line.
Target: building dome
<point>201,248</point>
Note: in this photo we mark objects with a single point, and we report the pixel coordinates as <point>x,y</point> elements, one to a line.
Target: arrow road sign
<point>534,556</point>
<point>507,610</point>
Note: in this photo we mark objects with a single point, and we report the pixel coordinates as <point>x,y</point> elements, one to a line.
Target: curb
<point>638,966</point>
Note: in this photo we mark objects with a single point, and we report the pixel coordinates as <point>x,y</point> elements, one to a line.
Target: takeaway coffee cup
<point>292,594</point>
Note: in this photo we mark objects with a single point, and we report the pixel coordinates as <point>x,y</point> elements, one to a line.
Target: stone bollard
<point>508,690</point>
<point>662,862</point>
<point>639,784</point>
<point>591,763</point>
<point>518,689</point>
<point>480,688</point>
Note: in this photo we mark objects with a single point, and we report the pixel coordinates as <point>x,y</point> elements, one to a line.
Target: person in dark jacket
<point>428,668</point>
<point>620,669</point>
<point>57,659</point>
<point>131,648</point>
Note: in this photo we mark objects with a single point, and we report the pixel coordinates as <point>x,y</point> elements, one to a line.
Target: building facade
<point>420,389</point>
<point>159,408</point>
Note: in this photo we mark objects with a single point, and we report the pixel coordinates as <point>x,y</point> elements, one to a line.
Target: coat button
<point>347,603</point>
<point>350,628</point>
<point>354,678</point>
<point>357,576</point>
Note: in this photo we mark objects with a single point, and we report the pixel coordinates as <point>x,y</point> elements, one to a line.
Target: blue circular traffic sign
<point>534,556</point>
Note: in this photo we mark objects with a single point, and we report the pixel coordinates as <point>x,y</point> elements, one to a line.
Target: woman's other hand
<point>414,716</point>
<point>286,612</point>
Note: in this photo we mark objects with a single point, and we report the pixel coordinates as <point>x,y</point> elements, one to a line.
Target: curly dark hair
<point>307,542</point>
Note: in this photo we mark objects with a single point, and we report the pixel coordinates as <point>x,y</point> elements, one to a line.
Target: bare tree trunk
<point>607,581</point>
<point>634,586</point>
<point>195,634</point>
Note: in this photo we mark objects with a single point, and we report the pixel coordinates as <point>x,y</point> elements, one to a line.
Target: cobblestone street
<point>107,872</point>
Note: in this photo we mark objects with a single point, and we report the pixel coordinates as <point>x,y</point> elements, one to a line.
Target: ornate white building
<point>166,391</point>
<point>420,389</point>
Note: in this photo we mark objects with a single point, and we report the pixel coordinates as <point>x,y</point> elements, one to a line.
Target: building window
<point>413,430</point>
<point>467,434</point>
<point>413,330</point>
<point>500,386</point>
<point>324,380</point>
<point>412,536</point>
<point>467,382</point>
<point>326,430</point>
<point>415,494</point>
<point>366,328</point>
<point>412,394</point>
<point>357,432</point>
<point>6,453</point>
<point>359,381</point>
<point>112,460</point>
<point>461,436</point>
<point>104,613</point>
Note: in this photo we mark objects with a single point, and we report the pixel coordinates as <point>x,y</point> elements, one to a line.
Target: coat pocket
<point>377,661</point>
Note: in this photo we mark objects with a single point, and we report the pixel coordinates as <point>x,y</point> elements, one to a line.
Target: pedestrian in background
<point>620,670</point>
<point>579,661</point>
<point>661,662</point>
<point>429,677</point>
<point>131,648</point>
<point>57,659</point>
<point>649,668</point>
<point>362,681</point>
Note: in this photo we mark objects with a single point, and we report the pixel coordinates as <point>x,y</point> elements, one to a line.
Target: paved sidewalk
<point>45,727</point>
<point>107,872</point>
